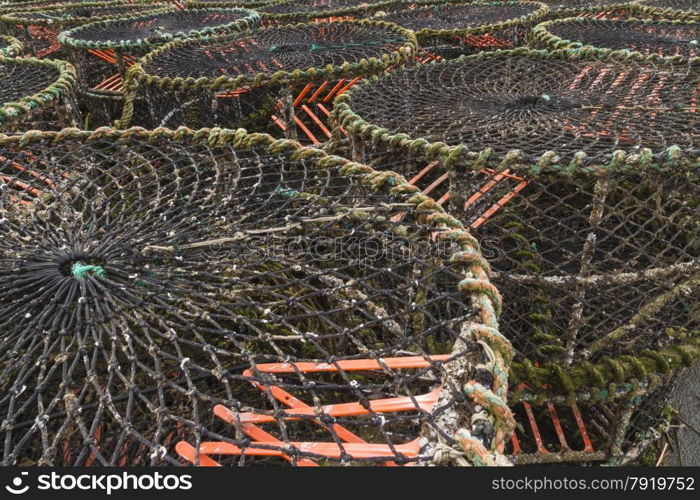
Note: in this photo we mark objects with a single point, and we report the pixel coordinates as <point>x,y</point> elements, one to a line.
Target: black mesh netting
<point>549,103</point>
<point>254,66</point>
<point>660,38</point>
<point>144,281</point>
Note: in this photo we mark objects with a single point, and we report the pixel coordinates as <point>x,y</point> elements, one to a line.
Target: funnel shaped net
<point>38,28</point>
<point>236,80</point>
<point>670,9</point>
<point>163,291</point>
<point>664,39</point>
<point>36,95</point>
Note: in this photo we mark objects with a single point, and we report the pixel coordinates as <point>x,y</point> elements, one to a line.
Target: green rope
<point>81,271</point>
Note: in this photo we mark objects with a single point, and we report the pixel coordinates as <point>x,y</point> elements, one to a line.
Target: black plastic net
<point>35,95</point>
<point>236,81</point>
<point>167,290</point>
<point>665,39</point>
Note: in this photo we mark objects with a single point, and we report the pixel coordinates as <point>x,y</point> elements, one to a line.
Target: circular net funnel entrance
<point>35,95</point>
<point>164,286</point>
<point>671,9</point>
<point>664,39</point>
<point>237,80</point>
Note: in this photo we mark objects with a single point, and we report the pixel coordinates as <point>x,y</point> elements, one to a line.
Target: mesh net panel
<point>146,280</point>
<point>228,68</point>
<point>659,38</point>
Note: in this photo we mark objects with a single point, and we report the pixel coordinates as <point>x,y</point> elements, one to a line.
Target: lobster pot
<point>665,39</point>
<point>591,9</point>
<point>164,290</point>
<point>244,80</point>
<point>248,4</point>
<point>38,27</point>
<point>684,10</point>
<point>102,51</point>
<point>10,47</point>
<point>289,12</point>
<point>36,95</point>
<point>451,29</point>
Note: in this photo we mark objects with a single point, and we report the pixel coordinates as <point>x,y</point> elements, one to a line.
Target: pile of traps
<point>471,237</point>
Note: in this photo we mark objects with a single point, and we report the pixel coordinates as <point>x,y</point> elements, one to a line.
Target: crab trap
<point>593,9</point>
<point>669,9</point>
<point>299,11</point>
<point>36,94</point>
<point>580,178</point>
<point>225,298</point>
<point>103,51</point>
<point>244,80</point>
<point>451,29</point>
<point>38,28</point>
<point>665,39</point>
